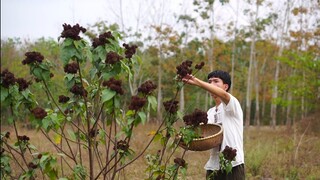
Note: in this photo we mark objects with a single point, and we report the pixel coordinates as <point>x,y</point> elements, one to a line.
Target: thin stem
<point>14,157</point>
<point>115,141</point>
<point>164,147</point>
<point>96,151</point>
<point>88,127</point>
<point>61,159</point>
<point>49,93</point>
<point>63,135</point>
<point>177,145</point>
<point>176,171</point>
<point>95,123</point>
<point>57,147</point>
<point>149,143</point>
<point>94,129</point>
<point>108,150</point>
<point>17,136</point>
<point>67,140</point>
<point>78,139</point>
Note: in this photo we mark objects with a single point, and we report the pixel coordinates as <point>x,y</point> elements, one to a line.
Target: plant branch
<point>14,157</point>
<point>176,171</point>
<point>49,93</point>
<point>88,126</point>
<point>57,147</point>
<point>17,136</point>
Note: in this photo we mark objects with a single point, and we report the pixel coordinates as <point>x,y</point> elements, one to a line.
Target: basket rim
<point>212,136</point>
<point>208,137</point>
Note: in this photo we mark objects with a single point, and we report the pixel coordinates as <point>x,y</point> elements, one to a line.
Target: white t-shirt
<point>231,118</point>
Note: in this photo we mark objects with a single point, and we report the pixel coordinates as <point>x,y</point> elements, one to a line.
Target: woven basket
<point>212,137</point>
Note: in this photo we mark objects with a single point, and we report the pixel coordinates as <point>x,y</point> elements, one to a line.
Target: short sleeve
<point>233,107</point>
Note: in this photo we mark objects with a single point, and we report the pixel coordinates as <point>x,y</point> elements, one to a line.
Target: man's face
<point>218,83</point>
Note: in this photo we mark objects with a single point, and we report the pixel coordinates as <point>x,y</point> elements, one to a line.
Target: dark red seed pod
<point>7,78</point>
<point>171,106</point>
<point>72,31</point>
<point>137,103</point>
<point>147,87</point>
<point>39,113</point>
<point>180,162</point>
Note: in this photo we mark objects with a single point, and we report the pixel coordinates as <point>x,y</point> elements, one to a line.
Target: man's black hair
<point>224,76</point>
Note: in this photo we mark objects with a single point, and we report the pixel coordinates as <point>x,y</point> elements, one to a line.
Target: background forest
<point>273,58</point>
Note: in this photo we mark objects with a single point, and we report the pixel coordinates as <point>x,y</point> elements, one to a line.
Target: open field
<point>269,153</point>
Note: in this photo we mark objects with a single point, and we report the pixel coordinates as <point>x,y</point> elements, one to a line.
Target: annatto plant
<point>88,126</point>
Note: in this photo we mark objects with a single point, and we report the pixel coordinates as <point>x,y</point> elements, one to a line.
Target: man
<point>227,112</point>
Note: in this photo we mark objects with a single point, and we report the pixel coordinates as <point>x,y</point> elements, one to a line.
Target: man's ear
<point>226,86</point>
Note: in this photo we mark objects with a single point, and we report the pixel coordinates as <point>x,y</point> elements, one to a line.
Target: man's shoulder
<point>233,98</point>
<point>210,109</point>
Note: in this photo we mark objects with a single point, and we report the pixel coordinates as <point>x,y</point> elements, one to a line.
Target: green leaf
<point>107,94</point>
<point>126,68</point>
<point>26,93</point>
<point>138,58</point>
<point>32,147</point>
<point>102,136</point>
<point>101,53</point>
<point>117,68</point>
<point>80,171</point>
<point>4,93</point>
<point>130,120</point>
<point>67,42</point>
<point>27,175</point>
<point>228,168</point>
<point>45,66</point>
<point>157,137</point>
<point>46,123</point>
<point>78,44</point>
<point>5,164</point>
<point>153,102</point>
<point>180,114</point>
<point>57,138</point>
<point>61,154</point>
<point>117,103</point>
<point>37,72</point>
<point>70,80</point>
<point>72,135</point>
<point>68,53</point>
<point>44,158</point>
<point>93,73</point>
<point>130,113</point>
<point>143,117</point>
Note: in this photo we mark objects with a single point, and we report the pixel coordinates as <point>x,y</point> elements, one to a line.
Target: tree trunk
<point>181,102</point>
<point>249,79</point>
<point>257,86</point>
<point>263,109</point>
<point>275,94</point>
<point>198,99</point>
<point>276,74</point>
<point>210,56</point>
<point>159,99</point>
<point>288,115</point>
<point>234,47</point>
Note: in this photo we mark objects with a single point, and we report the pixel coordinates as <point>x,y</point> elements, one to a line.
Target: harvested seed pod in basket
<point>211,136</point>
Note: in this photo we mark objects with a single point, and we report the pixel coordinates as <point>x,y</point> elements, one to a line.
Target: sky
<point>32,19</point>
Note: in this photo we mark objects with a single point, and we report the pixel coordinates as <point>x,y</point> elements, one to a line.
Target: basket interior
<point>210,135</point>
<point>206,130</point>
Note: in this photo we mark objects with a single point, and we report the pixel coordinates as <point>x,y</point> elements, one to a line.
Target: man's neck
<point>218,101</point>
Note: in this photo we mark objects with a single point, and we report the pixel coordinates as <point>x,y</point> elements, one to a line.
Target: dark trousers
<point>237,173</point>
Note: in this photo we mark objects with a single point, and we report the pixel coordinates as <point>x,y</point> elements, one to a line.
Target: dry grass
<point>269,153</point>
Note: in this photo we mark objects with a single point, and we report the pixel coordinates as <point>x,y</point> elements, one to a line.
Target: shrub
<point>91,127</point>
